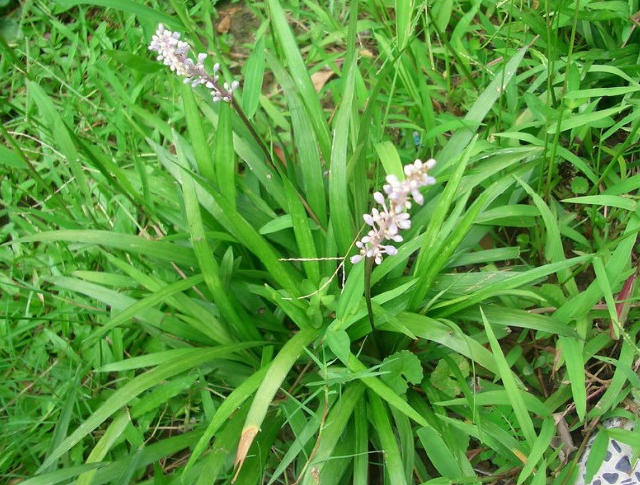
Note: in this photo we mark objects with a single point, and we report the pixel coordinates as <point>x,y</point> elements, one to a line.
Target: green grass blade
<point>334,429</point>
<point>447,335</point>
<point>515,281</point>
<point>305,141</point>
<point>404,13</point>
<point>427,252</point>
<point>62,475</point>
<point>302,231</point>
<point>539,447</point>
<point>389,447</point>
<point>605,287</point>
<point>287,43</point>
<point>253,77</point>
<point>145,303</point>
<point>143,12</point>
<point>439,453</point>
<point>126,393</point>
<point>390,159</point>
<point>338,187</point>
<point>164,251</point>
<point>553,250</point>
<point>510,386</point>
<point>605,200</point>
<point>224,156</point>
<point>108,439</point>
<point>201,149</point>
<point>479,110</point>
<point>226,409</point>
<point>572,353</point>
<point>210,270</point>
<point>445,249</point>
<point>278,370</point>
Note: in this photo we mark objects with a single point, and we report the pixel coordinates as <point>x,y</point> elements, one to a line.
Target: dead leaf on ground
<point>320,78</point>
<point>224,24</point>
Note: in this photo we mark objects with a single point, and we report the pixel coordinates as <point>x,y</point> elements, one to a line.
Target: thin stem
<point>253,133</point>
<point>267,154</point>
<point>368,268</point>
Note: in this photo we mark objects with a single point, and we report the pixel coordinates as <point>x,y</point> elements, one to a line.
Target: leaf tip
<point>248,435</point>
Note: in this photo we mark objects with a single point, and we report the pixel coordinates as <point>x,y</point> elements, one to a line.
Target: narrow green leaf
<point>165,356</point>
<point>510,386</point>
<point>539,447</point>
<point>439,453</point>
<point>254,74</point>
<point>126,393</point>
<point>108,439</point>
<point>449,336</point>
<point>585,119</point>
<point>334,429</point>
<point>517,280</point>
<point>404,13</point>
<point>338,187</point>
<point>62,475</point>
<point>224,157</point>
<point>600,92</point>
<point>339,343</point>
<point>605,200</point>
<point>61,135</point>
<point>479,110</point>
<point>204,254</point>
<point>391,453</point>
<point>302,232</point>
<point>145,303</point>
<point>597,455</point>
<point>164,251</point>
<point>201,150</point>
<point>300,75</point>
<point>236,224</point>
<point>445,249</point>
<point>390,159</point>
<point>278,370</point>
<point>226,409</point>
<point>553,250</point>
<point>143,12</point>
<point>603,282</point>
<point>427,251</point>
<point>361,451</point>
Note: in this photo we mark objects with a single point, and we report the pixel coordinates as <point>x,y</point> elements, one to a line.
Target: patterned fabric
<point>617,468</point>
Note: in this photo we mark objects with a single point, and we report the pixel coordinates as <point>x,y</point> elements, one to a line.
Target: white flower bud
<point>386,223</point>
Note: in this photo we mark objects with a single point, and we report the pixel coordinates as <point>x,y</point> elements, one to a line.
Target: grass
<point>176,306</point>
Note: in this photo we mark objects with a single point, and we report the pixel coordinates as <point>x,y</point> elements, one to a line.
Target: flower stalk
<point>387,221</point>
<point>174,53</point>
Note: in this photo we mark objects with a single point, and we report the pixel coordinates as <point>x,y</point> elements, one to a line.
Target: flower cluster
<point>174,53</point>
<point>386,223</point>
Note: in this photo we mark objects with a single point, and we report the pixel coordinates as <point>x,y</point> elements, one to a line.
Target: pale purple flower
<point>393,216</point>
<point>174,53</point>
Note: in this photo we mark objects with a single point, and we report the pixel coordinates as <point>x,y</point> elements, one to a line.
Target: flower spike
<point>174,53</point>
<point>393,217</point>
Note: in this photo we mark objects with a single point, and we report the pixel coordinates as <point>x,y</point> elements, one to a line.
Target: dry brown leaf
<point>366,53</point>
<point>279,152</point>
<point>224,25</point>
<point>320,78</point>
<point>225,19</point>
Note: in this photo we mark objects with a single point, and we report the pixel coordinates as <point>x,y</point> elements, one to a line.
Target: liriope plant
<point>341,342</point>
